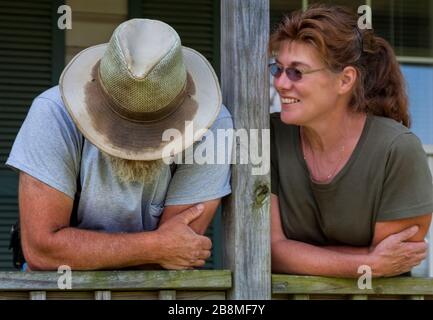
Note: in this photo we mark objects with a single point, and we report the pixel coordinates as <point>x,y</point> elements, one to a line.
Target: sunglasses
<point>293,74</point>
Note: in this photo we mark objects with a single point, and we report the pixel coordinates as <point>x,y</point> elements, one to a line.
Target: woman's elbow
<point>277,256</point>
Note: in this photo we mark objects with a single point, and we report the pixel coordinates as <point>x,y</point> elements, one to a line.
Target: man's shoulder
<point>49,107</point>
<point>52,94</point>
<point>223,120</point>
<point>49,102</point>
<point>224,113</point>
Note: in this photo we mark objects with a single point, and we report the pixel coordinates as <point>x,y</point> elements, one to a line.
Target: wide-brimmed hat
<point>123,95</point>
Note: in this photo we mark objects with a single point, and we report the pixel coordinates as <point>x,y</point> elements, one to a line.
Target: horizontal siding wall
<point>93,22</point>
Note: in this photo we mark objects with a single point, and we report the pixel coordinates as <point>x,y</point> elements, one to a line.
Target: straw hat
<point>124,94</point>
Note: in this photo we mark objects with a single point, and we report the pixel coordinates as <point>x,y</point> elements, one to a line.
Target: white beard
<point>135,170</point>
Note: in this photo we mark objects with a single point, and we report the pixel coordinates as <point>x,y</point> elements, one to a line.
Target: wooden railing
<point>118,285</point>
<point>309,287</point>
<point>199,284</point>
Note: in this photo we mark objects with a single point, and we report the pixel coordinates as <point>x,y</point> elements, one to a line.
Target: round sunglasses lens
<point>294,74</point>
<point>275,70</point>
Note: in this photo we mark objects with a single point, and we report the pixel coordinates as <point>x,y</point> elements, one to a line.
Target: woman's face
<point>312,98</point>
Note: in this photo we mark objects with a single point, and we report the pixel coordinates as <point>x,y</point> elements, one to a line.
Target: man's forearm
<point>295,257</point>
<point>91,250</point>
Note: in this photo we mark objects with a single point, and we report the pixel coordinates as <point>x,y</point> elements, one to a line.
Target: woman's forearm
<point>294,257</point>
<point>348,249</point>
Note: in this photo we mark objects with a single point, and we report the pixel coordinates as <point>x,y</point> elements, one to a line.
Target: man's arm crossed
<point>201,223</point>
<point>48,240</point>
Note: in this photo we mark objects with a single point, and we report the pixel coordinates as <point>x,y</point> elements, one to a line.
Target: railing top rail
<point>288,284</point>
<point>119,280</point>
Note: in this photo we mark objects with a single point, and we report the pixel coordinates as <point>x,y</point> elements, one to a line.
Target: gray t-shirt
<point>49,146</point>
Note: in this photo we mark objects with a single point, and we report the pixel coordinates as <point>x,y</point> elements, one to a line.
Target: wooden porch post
<point>245,89</point>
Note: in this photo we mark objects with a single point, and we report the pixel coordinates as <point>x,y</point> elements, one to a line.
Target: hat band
<point>141,116</point>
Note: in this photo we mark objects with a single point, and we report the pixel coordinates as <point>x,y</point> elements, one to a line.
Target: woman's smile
<point>289,100</point>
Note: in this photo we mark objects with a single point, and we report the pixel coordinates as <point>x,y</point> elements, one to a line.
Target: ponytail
<point>383,83</point>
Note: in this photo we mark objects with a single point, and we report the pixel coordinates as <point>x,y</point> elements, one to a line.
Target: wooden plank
<point>200,295</point>
<point>386,297</point>
<point>70,295</point>
<point>10,295</point>
<point>245,89</point>
<point>99,17</point>
<point>99,6</point>
<point>85,33</point>
<point>416,297</point>
<point>103,295</point>
<point>301,297</point>
<point>359,297</point>
<point>329,297</point>
<point>119,280</point>
<point>287,284</point>
<point>134,295</point>
<point>167,295</point>
<point>180,295</point>
<point>37,295</point>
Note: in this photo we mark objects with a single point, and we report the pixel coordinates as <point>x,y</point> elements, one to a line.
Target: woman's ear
<point>347,79</point>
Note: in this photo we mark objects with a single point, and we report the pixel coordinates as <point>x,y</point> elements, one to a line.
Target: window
<point>407,25</point>
<point>419,80</point>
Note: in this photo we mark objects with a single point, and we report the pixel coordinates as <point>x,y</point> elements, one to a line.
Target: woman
<point>350,183</point>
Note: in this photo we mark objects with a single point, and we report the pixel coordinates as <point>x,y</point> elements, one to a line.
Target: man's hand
<point>181,247</point>
<point>200,224</point>
<point>395,255</point>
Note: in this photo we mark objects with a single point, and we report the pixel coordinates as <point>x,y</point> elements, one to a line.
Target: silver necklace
<point>331,174</point>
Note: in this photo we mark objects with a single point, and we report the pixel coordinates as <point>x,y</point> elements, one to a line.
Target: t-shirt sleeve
<point>274,163</point>
<point>47,146</point>
<point>407,189</point>
<point>205,172</point>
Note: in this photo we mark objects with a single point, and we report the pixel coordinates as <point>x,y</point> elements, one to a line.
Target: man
<point>100,131</point>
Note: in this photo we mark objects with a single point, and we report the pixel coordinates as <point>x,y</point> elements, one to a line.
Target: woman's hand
<point>395,255</point>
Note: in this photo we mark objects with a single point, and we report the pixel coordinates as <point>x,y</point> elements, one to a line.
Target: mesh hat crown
<point>125,95</point>
<point>142,69</point>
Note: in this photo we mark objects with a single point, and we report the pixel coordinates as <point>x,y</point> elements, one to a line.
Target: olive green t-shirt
<point>386,178</point>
